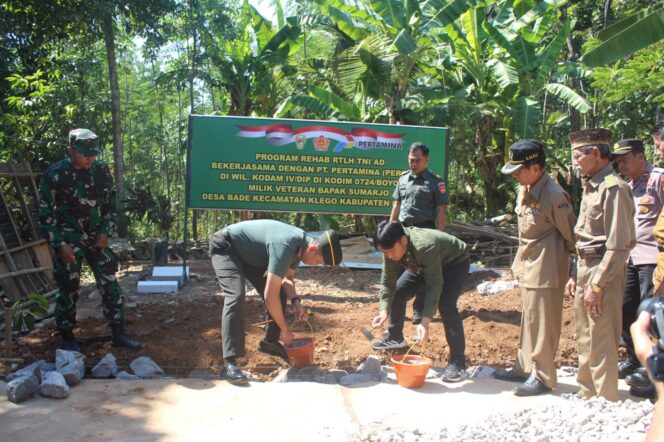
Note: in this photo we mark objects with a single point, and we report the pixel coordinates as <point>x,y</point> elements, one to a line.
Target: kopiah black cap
<point>628,145</point>
<point>331,248</point>
<point>523,153</point>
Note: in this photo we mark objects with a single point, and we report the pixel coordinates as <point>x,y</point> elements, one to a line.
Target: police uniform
<point>605,234</point>
<point>419,196</point>
<point>75,207</point>
<point>546,238</point>
<point>648,194</point>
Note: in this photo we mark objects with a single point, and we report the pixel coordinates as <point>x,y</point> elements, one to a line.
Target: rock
<point>71,365</point>
<point>127,376</point>
<point>146,368</point>
<point>202,374</point>
<point>310,374</point>
<point>22,388</point>
<point>33,369</point>
<point>107,367</point>
<point>357,378</point>
<point>371,367</point>
<point>54,386</point>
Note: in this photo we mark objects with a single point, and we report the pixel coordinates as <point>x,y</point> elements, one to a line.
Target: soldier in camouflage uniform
<point>77,216</point>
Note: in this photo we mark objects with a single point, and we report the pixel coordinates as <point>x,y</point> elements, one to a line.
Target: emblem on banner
<point>321,142</point>
<point>300,140</point>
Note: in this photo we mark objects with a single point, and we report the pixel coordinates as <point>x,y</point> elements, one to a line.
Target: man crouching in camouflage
<point>77,215</point>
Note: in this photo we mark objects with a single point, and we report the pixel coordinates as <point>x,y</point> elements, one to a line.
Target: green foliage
<point>26,312</point>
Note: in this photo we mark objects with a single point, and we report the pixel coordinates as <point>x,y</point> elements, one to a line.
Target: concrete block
<point>157,287</point>
<point>170,273</point>
<point>371,367</point>
<point>22,388</point>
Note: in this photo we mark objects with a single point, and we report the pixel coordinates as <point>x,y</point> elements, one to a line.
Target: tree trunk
<point>109,38</point>
<point>192,75</point>
<point>488,164</point>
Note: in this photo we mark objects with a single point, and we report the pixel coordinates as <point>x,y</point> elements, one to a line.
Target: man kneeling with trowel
<point>436,264</point>
<point>266,252</point>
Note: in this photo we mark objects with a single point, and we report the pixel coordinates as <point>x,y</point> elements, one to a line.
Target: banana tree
<point>249,60</point>
<point>627,36</point>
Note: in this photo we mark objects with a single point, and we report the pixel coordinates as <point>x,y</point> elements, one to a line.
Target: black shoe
<point>646,392</point>
<point>508,375</point>
<point>531,387</point>
<point>387,343</point>
<point>234,375</point>
<point>638,379</point>
<point>274,349</point>
<point>121,339</point>
<point>627,367</point>
<point>417,318</point>
<point>69,341</point>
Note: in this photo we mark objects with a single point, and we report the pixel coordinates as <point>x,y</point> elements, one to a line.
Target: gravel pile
<point>575,420</point>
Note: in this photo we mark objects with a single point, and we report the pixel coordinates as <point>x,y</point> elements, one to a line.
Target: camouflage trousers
<point>103,264</point>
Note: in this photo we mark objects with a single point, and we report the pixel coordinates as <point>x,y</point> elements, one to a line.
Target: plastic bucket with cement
<point>301,352</point>
<point>411,370</point>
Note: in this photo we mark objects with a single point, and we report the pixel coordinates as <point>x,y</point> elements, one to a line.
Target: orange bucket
<point>301,352</point>
<point>411,370</point>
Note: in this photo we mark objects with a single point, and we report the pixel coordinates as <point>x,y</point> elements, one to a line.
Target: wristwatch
<point>595,288</point>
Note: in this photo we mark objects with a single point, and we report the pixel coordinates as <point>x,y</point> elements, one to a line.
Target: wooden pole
<point>8,327</point>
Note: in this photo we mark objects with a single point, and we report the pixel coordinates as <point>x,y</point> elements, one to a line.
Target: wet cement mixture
<point>181,332</point>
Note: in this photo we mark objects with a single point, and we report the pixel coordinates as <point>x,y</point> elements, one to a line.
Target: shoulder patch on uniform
<point>610,181</point>
<point>441,187</point>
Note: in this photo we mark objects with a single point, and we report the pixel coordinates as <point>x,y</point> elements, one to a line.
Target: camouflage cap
<point>590,137</point>
<point>84,141</point>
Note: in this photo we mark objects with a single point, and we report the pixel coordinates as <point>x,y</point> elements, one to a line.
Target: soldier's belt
<point>595,251</point>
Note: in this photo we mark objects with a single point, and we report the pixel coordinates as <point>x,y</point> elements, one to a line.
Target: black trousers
<point>638,286</point>
<point>411,284</point>
<point>232,274</point>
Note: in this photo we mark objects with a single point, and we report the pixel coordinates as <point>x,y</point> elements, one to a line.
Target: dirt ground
<point>181,332</point>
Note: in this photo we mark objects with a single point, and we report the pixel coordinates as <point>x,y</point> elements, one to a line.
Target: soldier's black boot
<point>69,341</point>
<point>122,339</point>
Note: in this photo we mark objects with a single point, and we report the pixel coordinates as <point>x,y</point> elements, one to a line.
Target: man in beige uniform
<point>546,238</point>
<point>657,133</point>
<point>605,234</point>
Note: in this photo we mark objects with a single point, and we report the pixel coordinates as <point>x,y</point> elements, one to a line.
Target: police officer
<point>265,252</point>
<point>77,216</point>
<point>605,234</point>
<point>420,199</point>
<point>436,264</point>
<point>546,238</point>
<point>647,184</point>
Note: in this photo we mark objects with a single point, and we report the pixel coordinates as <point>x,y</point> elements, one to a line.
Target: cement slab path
<point>198,410</point>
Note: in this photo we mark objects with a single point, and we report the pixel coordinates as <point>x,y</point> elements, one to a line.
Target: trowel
<point>367,333</point>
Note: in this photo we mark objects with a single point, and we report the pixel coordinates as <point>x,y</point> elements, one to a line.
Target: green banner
<point>278,165</point>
